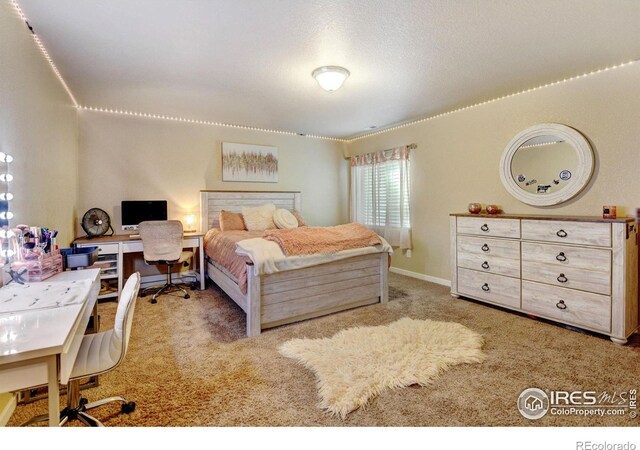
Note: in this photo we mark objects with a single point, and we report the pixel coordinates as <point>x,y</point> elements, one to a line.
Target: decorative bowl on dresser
<point>580,271</point>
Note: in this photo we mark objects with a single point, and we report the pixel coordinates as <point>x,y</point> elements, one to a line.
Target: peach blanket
<point>220,246</point>
<point>322,240</point>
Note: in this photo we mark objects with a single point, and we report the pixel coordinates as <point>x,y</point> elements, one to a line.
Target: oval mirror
<point>546,164</point>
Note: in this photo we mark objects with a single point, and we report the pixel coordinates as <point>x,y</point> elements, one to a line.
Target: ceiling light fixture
<point>330,78</point>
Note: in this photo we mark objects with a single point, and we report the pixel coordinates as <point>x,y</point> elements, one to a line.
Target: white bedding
<point>267,256</point>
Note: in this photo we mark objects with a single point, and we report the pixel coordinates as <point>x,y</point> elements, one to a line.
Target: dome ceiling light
<point>330,78</point>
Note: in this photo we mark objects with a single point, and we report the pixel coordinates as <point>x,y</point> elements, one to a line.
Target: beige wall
<point>458,156</point>
<point>38,126</point>
<point>129,158</point>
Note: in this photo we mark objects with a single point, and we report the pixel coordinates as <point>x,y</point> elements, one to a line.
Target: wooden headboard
<point>212,202</point>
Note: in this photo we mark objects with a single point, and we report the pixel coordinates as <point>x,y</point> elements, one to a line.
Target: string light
<point>6,196</point>
<point>5,158</point>
<point>8,215</point>
<point>486,102</point>
<point>541,144</point>
<point>204,122</point>
<point>290,133</point>
<point>6,177</point>
<point>44,52</point>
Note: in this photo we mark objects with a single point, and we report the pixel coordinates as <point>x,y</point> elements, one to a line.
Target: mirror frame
<point>579,179</point>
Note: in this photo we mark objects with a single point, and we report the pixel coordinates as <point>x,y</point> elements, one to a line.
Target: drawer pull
<point>484,227</point>
<point>561,305</point>
<point>485,248</point>
<point>561,278</point>
<point>485,265</point>
<point>561,233</point>
<point>561,257</point>
<point>485,287</point>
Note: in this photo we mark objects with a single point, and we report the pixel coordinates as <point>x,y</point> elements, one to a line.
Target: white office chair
<point>162,245</point>
<point>100,353</point>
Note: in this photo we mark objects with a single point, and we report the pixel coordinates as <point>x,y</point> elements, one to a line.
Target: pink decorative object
<point>41,268</point>
<point>475,208</point>
<point>493,209</point>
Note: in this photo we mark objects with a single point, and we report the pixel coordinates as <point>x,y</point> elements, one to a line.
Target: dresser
<point>580,271</point>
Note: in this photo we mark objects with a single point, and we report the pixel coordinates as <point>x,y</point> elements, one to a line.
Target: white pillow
<point>283,218</point>
<point>259,218</point>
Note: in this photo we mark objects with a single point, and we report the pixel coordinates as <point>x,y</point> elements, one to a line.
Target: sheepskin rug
<point>356,364</point>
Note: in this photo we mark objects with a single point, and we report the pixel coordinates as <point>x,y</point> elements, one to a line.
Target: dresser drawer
<point>490,287</point>
<point>490,264</point>
<point>565,256</point>
<point>489,227</point>
<point>585,233</point>
<point>502,248</point>
<point>566,305</point>
<point>103,249</point>
<point>568,277</point>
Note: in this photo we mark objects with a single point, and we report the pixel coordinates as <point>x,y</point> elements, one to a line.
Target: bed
<point>289,296</point>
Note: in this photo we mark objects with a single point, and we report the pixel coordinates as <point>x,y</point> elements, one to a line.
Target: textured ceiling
<point>249,61</point>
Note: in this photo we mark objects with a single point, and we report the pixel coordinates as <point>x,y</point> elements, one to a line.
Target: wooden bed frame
<point>294,295</point>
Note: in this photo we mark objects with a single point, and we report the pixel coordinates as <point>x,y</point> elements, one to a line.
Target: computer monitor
<point>136,211</point>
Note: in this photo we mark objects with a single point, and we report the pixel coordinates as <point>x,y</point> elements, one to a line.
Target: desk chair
<point>100,353</point>
<point>162,245</point>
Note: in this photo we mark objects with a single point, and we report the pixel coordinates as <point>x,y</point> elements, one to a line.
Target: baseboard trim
<point>7,406</point>
<point>421,276</point>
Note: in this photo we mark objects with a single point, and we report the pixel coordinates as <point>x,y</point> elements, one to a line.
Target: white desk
<point>39,347</point>
<point>121,244</point>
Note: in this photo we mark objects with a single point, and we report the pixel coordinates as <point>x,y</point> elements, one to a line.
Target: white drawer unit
<point>109,263</point>
<point>580,271</point>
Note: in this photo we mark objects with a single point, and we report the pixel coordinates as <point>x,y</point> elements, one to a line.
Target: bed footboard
<point>291,296</point>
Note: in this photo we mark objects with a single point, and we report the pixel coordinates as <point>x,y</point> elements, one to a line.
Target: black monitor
<point>136,211</point>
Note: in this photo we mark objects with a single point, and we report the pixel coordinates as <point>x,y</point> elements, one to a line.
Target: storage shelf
<point>109,295</point>
<point>109,276</point>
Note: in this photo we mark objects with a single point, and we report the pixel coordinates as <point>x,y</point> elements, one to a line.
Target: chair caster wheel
<point>186,296</point>
<point>128,408</point>
<point>154,301</point>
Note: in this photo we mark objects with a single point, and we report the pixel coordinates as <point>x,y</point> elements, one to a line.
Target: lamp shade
<point>330,78</point>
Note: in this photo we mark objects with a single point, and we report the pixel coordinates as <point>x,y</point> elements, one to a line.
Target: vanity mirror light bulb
<point>6,177</point>
<point>6,215</point>
<point>6,196</point>
<point>6,234</point>
<point>7,253</point>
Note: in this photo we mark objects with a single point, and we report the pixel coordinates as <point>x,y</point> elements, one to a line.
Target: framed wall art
<point>248,162</point>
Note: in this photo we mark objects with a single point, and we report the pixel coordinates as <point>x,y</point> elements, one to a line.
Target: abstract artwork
<point>246,162</point>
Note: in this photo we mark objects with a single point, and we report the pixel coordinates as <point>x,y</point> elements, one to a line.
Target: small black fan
<point>96,222</point>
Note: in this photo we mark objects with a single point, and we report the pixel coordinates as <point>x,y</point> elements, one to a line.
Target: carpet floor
<point>189,364</point>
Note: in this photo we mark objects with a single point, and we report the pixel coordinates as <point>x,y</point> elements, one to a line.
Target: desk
<point>120,244</point>
<point>40,346</point>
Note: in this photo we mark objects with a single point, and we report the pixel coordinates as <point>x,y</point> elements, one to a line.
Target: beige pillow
<point>283,218</point>
<point>231,221</point>
<point>259,218</point>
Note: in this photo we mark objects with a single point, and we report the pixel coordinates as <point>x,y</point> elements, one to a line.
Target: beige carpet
<point>358,363</point>
<point>189,364</point>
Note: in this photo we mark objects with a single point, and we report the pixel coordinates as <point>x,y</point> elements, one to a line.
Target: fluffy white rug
<point>357,364</point>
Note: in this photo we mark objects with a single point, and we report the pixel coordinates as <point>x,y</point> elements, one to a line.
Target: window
<point>380,190</point>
